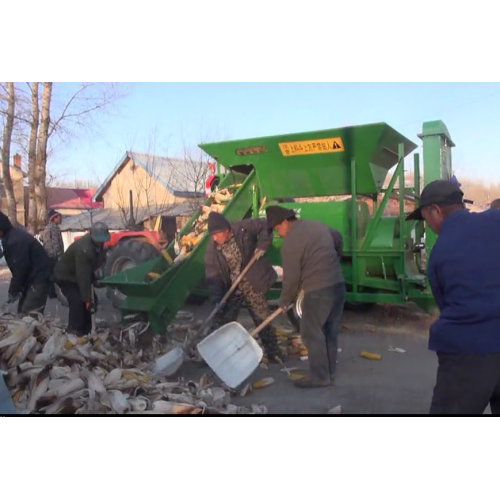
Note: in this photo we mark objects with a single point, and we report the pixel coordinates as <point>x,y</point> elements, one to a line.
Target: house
<point>68,201</point>
<point>17,175</point>
<point>153,185</point>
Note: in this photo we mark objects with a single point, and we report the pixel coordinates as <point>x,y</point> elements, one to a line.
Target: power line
<point>447,110</point>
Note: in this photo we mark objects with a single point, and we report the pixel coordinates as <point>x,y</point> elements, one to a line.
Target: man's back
<point>79,252</point>
<point>24,254</point>
<point>319,265</point>
<point>464,272</point>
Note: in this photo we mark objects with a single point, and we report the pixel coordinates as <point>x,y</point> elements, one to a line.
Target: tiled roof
<point>114,219</point>
<point>180,177</point>
<point>71,198</point>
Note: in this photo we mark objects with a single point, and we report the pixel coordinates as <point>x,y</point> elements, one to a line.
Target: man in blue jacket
<point>464,276</point>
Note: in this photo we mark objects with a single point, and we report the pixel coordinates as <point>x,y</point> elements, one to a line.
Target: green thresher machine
<point>383,255</point>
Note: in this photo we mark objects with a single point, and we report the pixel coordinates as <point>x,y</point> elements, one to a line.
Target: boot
<point>309,383</point>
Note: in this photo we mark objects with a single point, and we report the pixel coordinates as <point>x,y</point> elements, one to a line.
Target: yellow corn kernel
<point>371,355</point>
<point>265,382</point>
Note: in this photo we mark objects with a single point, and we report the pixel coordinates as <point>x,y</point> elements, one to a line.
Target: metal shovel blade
<point>232,353</point>
<point>168,364</point>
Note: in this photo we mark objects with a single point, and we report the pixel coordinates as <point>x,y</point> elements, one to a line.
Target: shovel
<point>170,362</point>
<point>232,353</point>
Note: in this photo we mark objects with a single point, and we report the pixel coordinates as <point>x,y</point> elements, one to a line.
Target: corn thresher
<point>383,255</point>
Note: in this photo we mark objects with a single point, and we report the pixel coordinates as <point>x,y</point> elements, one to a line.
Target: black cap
<point>276,215</point>
<point>217,223</point>
<point>440,192</point>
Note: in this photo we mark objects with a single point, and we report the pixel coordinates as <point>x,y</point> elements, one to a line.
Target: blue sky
<point>186,112</point>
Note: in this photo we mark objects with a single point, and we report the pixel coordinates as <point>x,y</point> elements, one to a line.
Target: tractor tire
<point>126,255</point>
<point>295,313</point>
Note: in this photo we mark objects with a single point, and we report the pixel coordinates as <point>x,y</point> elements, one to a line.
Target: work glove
<point>91,307</point>
<point>259,253</point>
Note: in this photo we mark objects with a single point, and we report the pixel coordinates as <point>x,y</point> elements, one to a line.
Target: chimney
<point>17,161</point>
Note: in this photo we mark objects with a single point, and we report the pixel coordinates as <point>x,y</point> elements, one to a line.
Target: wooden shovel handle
<point>237,281</point>
<point>261,327</point>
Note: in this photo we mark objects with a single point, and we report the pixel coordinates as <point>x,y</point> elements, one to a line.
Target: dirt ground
<point>400,383</point>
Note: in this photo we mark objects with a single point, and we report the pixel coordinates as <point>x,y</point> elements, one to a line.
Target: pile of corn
<point>51,372</point>
<point>183,247</point>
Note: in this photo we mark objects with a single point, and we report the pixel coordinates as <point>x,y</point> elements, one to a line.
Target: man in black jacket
<point>30,267</point>
<point>75,275</point>
<point>231,248</point>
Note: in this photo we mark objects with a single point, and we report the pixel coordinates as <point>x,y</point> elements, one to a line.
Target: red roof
<point>71,198</point>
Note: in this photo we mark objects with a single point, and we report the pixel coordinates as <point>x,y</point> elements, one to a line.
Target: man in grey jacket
<point>311,263</point>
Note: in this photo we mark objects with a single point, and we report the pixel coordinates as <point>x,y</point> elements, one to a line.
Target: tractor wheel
<point>126,255</point>
<point>295,313</point>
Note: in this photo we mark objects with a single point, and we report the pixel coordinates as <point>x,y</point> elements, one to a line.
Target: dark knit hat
<point>5,224</point>
<point>217,223</point>
<point>52,213</point>
<point>276,215</point>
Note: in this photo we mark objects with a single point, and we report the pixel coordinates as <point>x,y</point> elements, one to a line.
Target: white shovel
<point>233,353</point>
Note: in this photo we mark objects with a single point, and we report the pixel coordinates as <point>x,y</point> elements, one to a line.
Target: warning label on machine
<point>318,146</point>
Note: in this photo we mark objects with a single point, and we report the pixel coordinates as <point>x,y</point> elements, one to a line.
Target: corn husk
<point>185,245</point>
<point>50,372</point>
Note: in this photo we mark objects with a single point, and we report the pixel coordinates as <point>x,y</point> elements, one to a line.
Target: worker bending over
<point>75,275</point>
<point>311,262</point>
<point>52,241</point>
<point>30,267</point>
<point>465,279</point>
<point>230,249</point>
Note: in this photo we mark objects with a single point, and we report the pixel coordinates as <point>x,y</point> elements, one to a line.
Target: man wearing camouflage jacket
<point>231,247</point>
<point>51,239</point>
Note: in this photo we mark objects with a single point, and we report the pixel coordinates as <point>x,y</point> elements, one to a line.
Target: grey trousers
<point>320,327</point>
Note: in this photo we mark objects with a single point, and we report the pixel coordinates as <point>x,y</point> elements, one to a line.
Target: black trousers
<point>466,384</point>
<point>52,288</point>
<point>34,298</point>
<point>320,328</point>
<point>79,318</point>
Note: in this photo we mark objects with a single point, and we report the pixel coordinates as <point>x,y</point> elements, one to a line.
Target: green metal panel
<point>315,164</point>
<point>437,146</point>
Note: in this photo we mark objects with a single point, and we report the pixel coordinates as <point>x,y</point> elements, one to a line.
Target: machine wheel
<point>295,314</point>
<point>126,255</point>
<point>60,296</point>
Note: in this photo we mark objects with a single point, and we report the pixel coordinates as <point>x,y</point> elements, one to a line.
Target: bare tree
<point>7,140</point>
<point>53,123</point>
<point>195,172</point>
<point>32,163</point>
